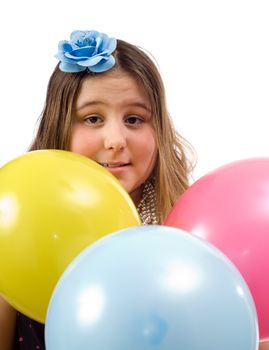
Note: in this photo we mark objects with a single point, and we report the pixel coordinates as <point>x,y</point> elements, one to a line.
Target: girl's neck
<point>136,195</point>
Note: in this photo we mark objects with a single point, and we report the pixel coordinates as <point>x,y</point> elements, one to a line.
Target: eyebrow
<point>131,104</point>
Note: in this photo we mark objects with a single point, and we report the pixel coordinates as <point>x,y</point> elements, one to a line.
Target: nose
<point>115,137</point>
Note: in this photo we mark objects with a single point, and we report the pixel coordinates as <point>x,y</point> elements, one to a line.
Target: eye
<point>134,120</point>
<point>93,119</point>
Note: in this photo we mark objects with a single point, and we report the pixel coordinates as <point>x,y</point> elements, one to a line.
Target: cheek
<point>83,143</point>
<point>148,150</point>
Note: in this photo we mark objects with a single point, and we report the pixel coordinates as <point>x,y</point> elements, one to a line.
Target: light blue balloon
<point>147,288</point>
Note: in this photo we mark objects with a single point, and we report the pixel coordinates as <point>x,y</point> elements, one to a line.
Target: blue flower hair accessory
<point>89,50</point>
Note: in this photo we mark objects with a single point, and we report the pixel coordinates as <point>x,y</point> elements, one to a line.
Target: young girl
<point>106,101</point>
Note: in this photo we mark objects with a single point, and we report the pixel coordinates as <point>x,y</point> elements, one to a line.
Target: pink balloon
<point>229,208</point>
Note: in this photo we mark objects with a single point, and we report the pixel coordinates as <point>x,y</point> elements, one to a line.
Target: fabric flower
<point>86,50</point>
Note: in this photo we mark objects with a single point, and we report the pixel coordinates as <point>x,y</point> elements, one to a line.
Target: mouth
<point>114,165</point>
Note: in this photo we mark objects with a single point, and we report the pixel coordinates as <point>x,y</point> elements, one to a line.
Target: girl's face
<point>113,126</point>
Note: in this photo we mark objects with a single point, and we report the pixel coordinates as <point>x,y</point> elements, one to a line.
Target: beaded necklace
<point>147,207</point>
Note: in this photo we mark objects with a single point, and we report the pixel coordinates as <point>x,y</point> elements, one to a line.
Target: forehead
<point>113,86</point>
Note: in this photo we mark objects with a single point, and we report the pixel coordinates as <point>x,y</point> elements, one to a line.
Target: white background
<point>213,56</point>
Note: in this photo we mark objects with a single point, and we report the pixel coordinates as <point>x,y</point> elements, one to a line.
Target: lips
<point>113,164</point>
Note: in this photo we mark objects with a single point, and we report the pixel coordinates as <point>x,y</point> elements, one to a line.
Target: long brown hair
<point>173,166</point>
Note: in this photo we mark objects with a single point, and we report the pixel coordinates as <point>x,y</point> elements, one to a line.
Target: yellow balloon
<point>53,204</point>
